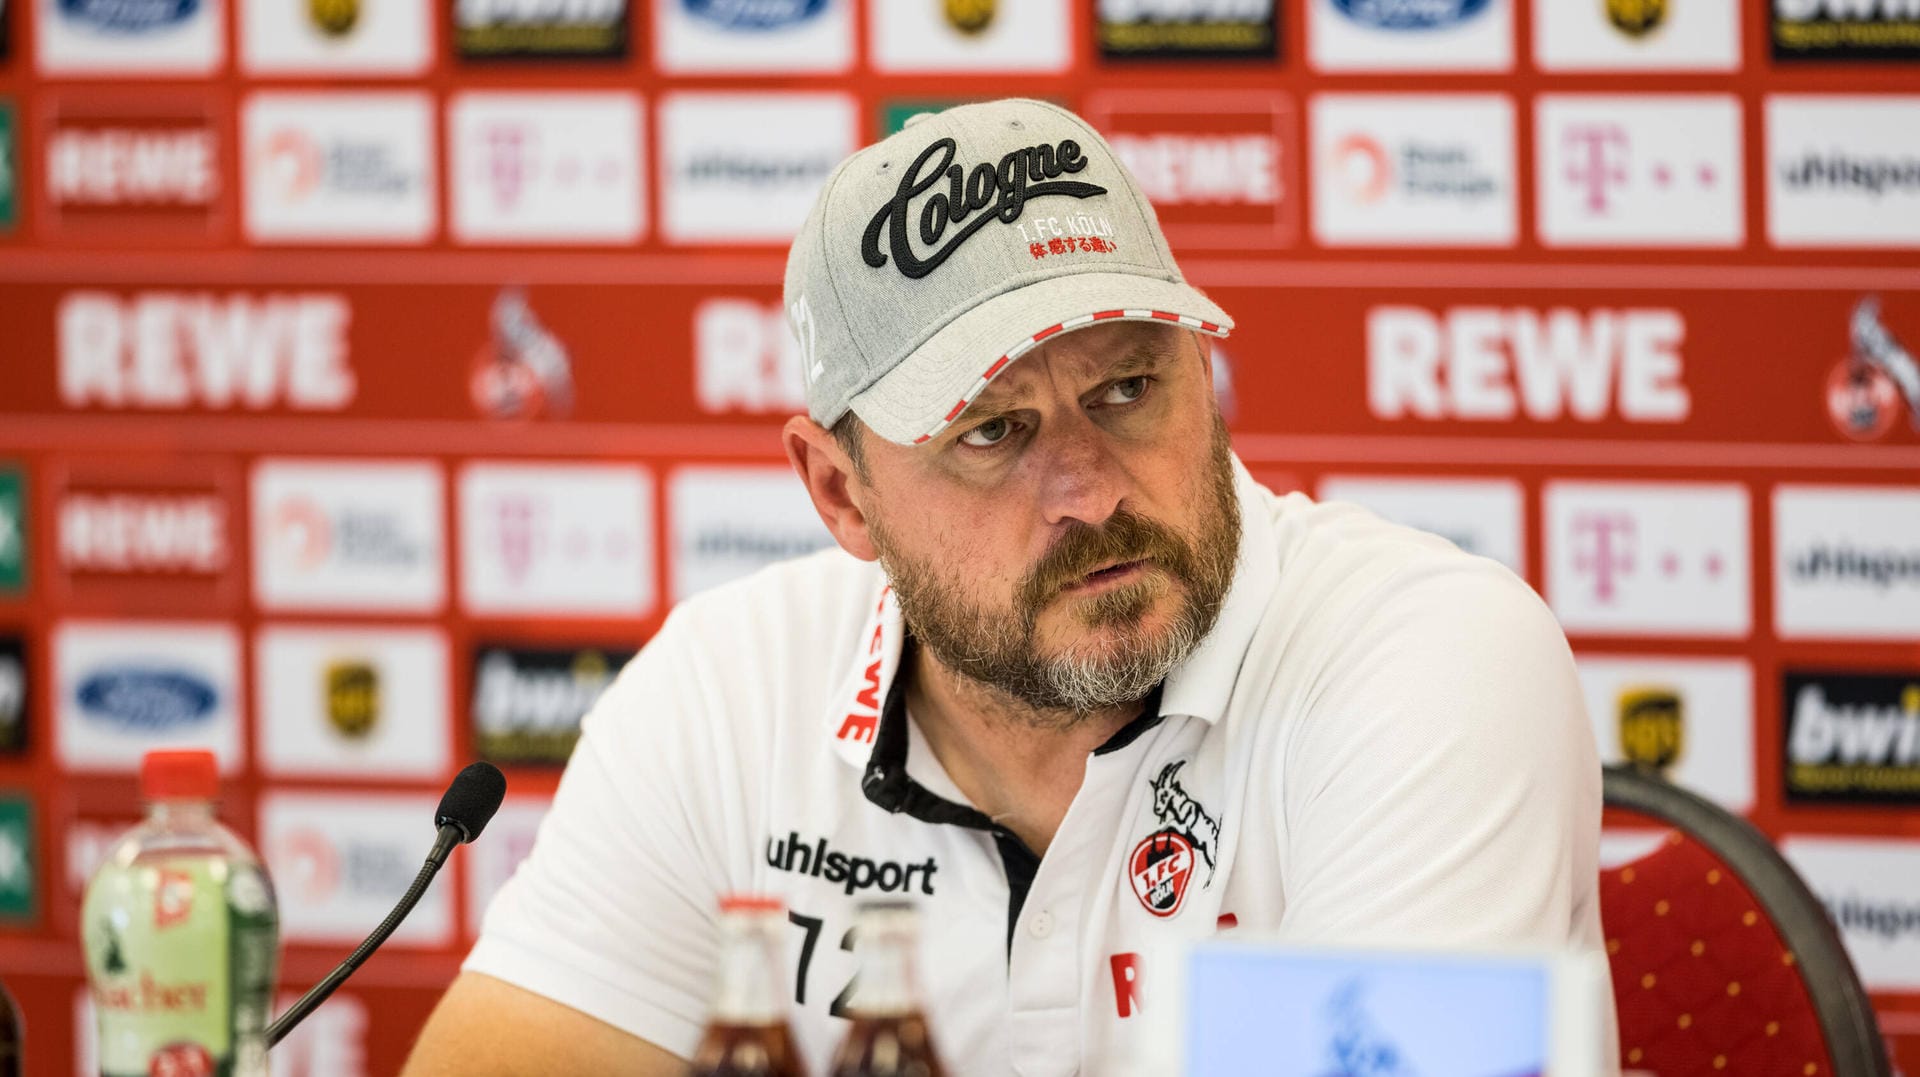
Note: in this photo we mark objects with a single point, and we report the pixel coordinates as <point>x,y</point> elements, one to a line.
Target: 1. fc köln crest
<point>1160,869</point>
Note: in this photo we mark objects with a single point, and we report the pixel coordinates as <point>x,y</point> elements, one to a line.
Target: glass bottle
<point>747,1034</point>
<point>888,1037</point>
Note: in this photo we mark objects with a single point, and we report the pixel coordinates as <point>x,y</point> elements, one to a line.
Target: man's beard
<point>999,648</point>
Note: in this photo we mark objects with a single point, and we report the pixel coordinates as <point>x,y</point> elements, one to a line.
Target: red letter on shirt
<point>1126,983</point>
<point>870,695</point>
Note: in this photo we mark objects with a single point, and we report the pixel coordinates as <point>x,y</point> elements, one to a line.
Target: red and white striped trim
<point>1027,345</point>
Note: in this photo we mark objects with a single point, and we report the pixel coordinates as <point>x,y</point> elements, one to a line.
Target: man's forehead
<point>1098,351</point>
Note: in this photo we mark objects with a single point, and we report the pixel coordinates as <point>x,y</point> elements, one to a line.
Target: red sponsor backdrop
<point>153,358</point>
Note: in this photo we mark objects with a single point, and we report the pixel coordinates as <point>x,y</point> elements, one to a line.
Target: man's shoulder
<point>783,618</point>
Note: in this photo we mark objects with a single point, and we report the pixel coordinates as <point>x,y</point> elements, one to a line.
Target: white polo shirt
<point>1382,739</point>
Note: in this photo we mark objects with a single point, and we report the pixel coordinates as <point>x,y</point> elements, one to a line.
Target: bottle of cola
<point>888,1037</point>
<point>747,1035</point>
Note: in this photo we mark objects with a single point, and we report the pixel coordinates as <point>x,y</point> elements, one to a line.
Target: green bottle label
<point>180,957</point>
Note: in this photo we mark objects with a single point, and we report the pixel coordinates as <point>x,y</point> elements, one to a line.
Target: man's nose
<point>1080,477</point>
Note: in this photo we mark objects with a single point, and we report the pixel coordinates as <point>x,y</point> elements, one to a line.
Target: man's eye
<point>1126,391</point>
<point>988,434</point>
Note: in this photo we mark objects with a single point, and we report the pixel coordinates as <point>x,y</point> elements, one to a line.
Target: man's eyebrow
<point>1140,359</point>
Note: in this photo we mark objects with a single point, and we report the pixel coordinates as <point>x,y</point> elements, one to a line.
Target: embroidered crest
<point>1163,865</point>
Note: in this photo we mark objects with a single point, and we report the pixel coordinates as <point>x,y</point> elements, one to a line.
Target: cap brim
<point>929,389</point>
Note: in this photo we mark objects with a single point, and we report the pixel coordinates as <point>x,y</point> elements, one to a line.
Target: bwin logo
<point>1855,734</point>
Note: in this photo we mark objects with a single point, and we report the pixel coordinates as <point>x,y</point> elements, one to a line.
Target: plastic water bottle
<point>181,936</point>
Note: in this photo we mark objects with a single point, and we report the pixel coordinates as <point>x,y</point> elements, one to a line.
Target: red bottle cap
<point>179,775</point>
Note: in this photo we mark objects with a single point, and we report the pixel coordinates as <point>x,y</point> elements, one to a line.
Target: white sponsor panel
<point>1656,558</point>
<point>124,688</point>
<point>1658,170</point>
<point>340,535</point>
<point>1843,171</point>
<point>1029,37</point>
<point>746,358</point>
<point>1500,364</point>
<point>338,167</point>
<point>556,538</point>
<point>340,860</point>
<point>1846,562</point>
<point>712,36</point>
<point>729,521</point>
<point>546,167</point>
<point>1715,698</point>
<point>167,351</point>
<point>1693,35</point>
<point>1481,516</point>
<point>1410,35</point>
<point>173,38</point>
<point>344,702</point>
<point>356,37</point>
<point>491,863</point>
<point>330,1042</point>
<point>1413,170</point>
<point>746,167</point>
<point>1871,888</point>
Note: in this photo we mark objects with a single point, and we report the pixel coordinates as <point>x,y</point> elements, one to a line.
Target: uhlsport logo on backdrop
<point>124,688</point>
<point>348,535</point>
<point>1394,170</point>
<point>338,167</point>
<point>13,531</point>
<point>556,538</point>
<point>1642,170</point>
<point>337,37</point>
<point>1689,718</point>
<point>1846,562</point>
<point>1499,365</point>
<point>1172,29</point>
<point>133,170</point>
<point>1028,37</point>
<point>546,167</point>
<point>540,29</point>
<point>1875,388</point>
<point>1843,171</point>
<point>528,701</point>
<point>510,835</point>
<point>15,702</point>
<point>1668,559</point>
<point>728,522</point>
<point>1871,889</point>
<point>745,167</point>
<point>130,37</point>
<point>1845,30</point>
<point>1218,167</point>
<point>345,702</point>
<point>754,36</point>
<point>1852,736</point>
<point>19,861</point>
<point>339,859</point>
<point>172,539</point>
<point>1486,517</point>
<point>1410,35</point>
<point>1637,35</point>
<point>745,358</point>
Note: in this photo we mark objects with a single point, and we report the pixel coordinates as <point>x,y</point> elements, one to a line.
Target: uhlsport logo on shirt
<point>1649,558</point>
<point>546,167</point>
<point>1846,562</point>
<point>338,860</point>
<point>1410,35</point>
<point>1216,166</point>
<point>126,687</point>
<point>1843,171</point>
<point>1817,30</point>
<point>852,872</point>
<point>1852,736</point>
<point>1130,29</point>
<point>130,37</point>
<point>1412,170</point>
<point>754,36</point>
<point>348,535</point>
<point>339,167</point>
<point>1871,889</point>
<point>1645,170</point>
<point>541,29</point>
<point>745,167</point>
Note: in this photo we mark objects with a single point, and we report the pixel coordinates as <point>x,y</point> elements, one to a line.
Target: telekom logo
<point>517,519</point>
<point>1597,160</point>
<point>1605,548</point>
<point>506,162</point>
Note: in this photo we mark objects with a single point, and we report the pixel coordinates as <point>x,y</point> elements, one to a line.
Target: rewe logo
<point>125,165</point>
<point>175,350</point>
<point>143,533</point>
<point>747,360</point>
<point>1495,365</point>
<point>1004,189</point>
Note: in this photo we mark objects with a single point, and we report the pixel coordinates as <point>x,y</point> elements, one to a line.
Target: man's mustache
<point>1125,536</point>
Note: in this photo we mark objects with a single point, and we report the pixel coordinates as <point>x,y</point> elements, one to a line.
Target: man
<point>1073,682</point>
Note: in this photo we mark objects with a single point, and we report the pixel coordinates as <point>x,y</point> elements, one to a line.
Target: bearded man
<point>1073,682</point>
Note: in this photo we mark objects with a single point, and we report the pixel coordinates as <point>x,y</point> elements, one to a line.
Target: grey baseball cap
<point>936,257</point>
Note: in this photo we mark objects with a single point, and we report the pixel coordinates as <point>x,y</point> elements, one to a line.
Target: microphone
<point>464,811</point>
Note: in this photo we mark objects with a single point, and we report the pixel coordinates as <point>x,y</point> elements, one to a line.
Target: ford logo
<point>130,16</point>
<point>147,700</point>
<point>1410,14</point>
<point>755,14</point>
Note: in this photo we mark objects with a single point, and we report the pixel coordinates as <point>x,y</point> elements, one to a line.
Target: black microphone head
<point>472,799</point>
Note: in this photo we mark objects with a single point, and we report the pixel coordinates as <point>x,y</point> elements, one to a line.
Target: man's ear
<point>831,481</point>
<point>1204,342</point>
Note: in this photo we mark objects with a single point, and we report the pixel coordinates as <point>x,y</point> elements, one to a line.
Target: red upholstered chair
<point>1724,963</point>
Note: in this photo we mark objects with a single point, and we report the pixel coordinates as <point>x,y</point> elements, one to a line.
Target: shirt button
<point>1041,925</point>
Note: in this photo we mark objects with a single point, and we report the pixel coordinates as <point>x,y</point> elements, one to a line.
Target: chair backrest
<point>1723,961</point>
